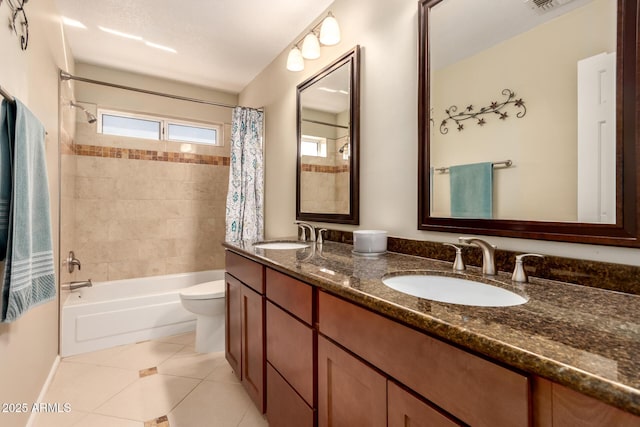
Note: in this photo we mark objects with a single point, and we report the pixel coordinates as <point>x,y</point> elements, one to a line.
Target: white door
<point>597,139</point>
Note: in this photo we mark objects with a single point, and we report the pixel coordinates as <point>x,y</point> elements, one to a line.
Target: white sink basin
<point>453,290</point>
<point>281,245</point>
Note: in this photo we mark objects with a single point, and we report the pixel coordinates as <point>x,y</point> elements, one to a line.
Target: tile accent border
<point>160,156</point>
<point>162,421</point>
<point>147,372</point>
<point>596,274</point>
<point>306,167</point>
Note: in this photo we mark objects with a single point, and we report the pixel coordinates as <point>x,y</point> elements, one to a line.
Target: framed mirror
<point>528,119</point>
<point>328,124</point>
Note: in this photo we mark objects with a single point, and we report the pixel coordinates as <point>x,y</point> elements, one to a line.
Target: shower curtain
<point>245,199</point>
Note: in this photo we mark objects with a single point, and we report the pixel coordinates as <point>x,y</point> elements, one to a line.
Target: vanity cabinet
<point>556,405</point>
<point>470,388</point>
<point>309,358</point>
<point>291,343</point>
<point>245,325</point>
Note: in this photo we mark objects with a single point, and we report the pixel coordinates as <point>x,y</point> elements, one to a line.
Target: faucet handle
<point>458,263</point>
<point>519,274</point>
<point>303,234</point>
<point>319,239</point>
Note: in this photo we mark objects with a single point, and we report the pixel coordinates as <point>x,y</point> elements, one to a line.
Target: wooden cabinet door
<point>404,409</point>
<point>233,325</point>
<point>253,355</point>
<point>350,393</point>
<point>285,407</point>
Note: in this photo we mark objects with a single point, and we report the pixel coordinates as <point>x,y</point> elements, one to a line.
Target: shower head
<point>341,150</point>
<point>90,117</point>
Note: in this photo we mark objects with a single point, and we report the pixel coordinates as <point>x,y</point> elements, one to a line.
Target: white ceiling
<point>222,44</point>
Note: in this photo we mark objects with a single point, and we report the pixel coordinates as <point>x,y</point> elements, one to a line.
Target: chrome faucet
<point>488,254</point>
<point>72,286</point>
<point>312,231</point>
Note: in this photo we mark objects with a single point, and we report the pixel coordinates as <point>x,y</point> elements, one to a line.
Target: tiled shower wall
<point>146,208</point>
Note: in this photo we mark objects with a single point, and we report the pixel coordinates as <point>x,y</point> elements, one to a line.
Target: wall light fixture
<point>329,35</point>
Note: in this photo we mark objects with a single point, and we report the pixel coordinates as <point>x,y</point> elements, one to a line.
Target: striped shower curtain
<point>245,199</point>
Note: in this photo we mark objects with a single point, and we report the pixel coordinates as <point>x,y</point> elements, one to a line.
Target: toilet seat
<point>206,290</point>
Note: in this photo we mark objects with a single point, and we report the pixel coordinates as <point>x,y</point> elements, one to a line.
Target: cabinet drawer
<point>404,409</point>
<point>476,391</point>
<point>291,294</point>
<point>290,350</point>
<point>284,406</point>
<point>248,272</point>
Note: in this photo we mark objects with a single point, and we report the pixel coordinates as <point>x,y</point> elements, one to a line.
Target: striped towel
<point>28,277</point>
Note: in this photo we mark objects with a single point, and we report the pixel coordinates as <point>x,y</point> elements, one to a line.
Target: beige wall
<point>28,347</point>
<point>147,217</point>
<point>139,218</point>
<point>387,31</point>
<point>542,183</point>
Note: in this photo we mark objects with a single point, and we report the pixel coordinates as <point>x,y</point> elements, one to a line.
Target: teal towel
<point>472,190</point>
<point>29,273</point>
<point>7,122</point>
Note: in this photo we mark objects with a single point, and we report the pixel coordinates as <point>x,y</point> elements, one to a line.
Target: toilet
<point>206,300</point>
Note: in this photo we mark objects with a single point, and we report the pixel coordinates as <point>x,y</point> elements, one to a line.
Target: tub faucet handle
<point>72,262</point>
<point>458,263</point>
<point>519,274</point>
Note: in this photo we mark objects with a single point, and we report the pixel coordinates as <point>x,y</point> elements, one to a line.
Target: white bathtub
<point>127,311</point>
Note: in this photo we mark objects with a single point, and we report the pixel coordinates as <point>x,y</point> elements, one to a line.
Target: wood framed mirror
<point>519,94</point>
<point>328,129</point>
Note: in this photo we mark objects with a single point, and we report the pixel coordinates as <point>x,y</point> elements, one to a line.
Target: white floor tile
<point>98,357</point>
<point>96,420</point>
<point>253,418</point>
<point>59,419</point>
<point>86,387</point>
<point>188,363</point>
<point>212,404</point>
<point>185,339</point>
<point>148,398</point>
<point>143,355</point>
<point>222,372</point>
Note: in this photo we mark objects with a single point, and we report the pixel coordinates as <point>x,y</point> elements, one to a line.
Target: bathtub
<point>127,311</point>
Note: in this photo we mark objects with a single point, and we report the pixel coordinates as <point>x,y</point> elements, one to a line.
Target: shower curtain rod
<point>318,122</point>
<point>66,76</point>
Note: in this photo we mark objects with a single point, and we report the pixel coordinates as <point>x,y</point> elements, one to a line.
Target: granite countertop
<point>585,338</point>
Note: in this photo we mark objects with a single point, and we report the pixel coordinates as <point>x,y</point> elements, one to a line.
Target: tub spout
<point>72,286</point>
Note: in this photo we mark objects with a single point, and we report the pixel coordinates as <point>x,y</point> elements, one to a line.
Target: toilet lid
<point>207,290</point>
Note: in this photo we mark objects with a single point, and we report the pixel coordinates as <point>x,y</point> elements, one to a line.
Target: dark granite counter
<point>585,338</point>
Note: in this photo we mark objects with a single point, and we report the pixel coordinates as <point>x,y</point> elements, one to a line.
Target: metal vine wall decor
<point>21,27</point>
<point>493,108</point>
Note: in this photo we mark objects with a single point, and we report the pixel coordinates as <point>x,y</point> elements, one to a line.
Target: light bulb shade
<point>329,31</point>
<point>310,47</point>
<point>294,60</point>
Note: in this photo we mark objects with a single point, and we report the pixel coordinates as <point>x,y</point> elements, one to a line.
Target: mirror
<point>528,119</point>
<point>328,114</point>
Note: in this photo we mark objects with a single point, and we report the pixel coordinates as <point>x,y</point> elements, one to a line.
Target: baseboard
<point>43,391</point>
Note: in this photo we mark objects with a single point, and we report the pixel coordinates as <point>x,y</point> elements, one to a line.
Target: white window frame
<point>164,126</point>
<point>321,144</point>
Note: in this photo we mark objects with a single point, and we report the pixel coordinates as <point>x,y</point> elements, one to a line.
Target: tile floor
<point>161,382</point>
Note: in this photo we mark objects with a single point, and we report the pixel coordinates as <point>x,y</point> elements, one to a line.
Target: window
<point>130,126</point>
<point>313,146</point>
<point>157,128</point>
<point>189,133</point>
